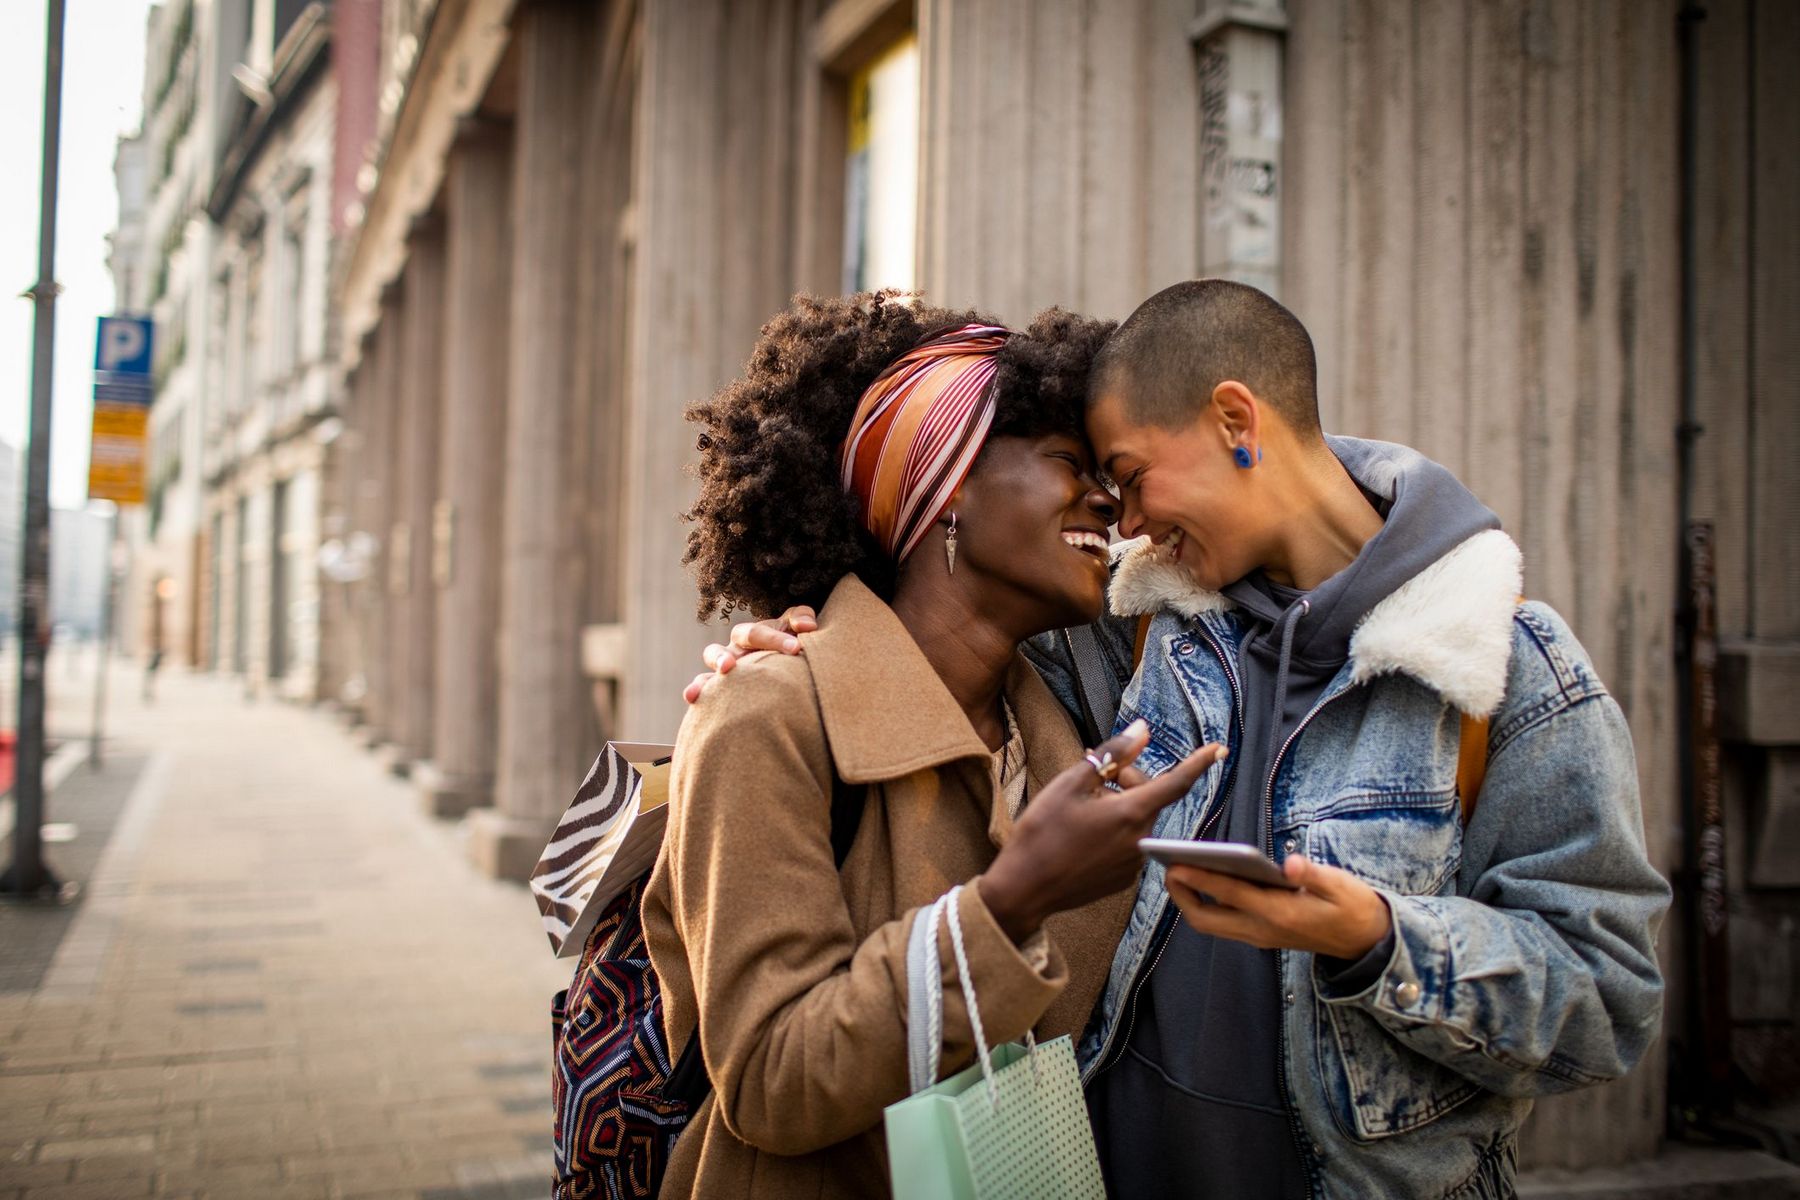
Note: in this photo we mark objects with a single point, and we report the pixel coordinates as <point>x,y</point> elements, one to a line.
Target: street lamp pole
<point>29,876</point>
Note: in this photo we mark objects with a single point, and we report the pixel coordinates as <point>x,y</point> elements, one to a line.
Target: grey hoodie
<point>1194,1103</point>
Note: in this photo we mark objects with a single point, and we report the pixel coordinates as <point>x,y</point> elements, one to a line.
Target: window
<point>881,171</point>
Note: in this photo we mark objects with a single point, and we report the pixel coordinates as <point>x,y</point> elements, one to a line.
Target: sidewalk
<point>279,979</point>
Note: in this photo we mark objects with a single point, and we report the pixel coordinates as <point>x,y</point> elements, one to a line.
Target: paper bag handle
<point>925,999</point>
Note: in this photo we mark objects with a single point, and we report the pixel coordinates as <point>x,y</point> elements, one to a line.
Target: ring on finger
<point>1105,765</point>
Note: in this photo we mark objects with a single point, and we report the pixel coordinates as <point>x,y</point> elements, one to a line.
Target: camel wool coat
<point>795,974</point>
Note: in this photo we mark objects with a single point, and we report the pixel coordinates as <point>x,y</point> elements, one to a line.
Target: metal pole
<point>107,605</point>
<point>29,875</point>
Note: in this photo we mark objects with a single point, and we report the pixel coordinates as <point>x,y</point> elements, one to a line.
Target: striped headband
<point>917,431</point>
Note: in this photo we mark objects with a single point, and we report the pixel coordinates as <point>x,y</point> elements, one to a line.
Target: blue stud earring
<point>1241,456</point>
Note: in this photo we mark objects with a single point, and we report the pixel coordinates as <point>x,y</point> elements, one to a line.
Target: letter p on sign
<point>124,345</point>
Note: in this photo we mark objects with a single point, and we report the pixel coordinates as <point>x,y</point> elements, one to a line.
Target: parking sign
<point>122,394</point>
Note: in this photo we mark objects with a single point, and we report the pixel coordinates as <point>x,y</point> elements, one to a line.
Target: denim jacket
<point>1524,959</point>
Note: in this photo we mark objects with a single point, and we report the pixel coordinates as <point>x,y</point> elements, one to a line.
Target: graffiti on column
<point>1240,135</point>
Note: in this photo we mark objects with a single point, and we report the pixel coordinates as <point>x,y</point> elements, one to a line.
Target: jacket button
<point>1406,994</point>
<point>1289,998</point>
<point>1184,647</point>
<point>1289,845</point>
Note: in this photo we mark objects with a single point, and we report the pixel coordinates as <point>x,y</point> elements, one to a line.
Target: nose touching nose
<point>1130,521</point>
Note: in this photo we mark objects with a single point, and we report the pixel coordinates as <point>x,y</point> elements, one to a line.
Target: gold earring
<point>950,545</point>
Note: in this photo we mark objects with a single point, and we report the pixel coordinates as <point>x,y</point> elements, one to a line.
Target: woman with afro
<point>919,476</point>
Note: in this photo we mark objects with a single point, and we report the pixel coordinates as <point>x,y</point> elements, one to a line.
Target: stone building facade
<point>246,162</point>
<point>162,266</point>
<point>265,438</point>
<point>578,213</point>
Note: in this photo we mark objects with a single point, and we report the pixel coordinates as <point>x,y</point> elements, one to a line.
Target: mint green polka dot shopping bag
<point>1011,1127</point>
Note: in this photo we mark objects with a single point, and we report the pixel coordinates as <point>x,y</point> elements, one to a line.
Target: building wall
<point>272,374</point>
<point>12,521</point>
<point>79,544</point>
<point>181,86</point>
<point>1747,375</point>
<point>1059,141</point>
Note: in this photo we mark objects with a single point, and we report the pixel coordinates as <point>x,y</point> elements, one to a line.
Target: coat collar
<point>1449,627</point>
<point>887,714</point>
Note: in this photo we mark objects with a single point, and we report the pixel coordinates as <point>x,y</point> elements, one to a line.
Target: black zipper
<point>1167,926</point>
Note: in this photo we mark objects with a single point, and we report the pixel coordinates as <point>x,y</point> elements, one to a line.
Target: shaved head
<point>1165,360</point>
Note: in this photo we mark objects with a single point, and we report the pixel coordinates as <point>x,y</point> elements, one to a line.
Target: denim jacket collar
<point>1449,627</point>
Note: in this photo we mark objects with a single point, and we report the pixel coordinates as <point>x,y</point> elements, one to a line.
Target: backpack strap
<point>1472,760</point>
<point>1471,763</point>
<point>1097,686</point>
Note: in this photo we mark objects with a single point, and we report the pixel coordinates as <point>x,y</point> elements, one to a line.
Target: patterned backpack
<point>619,1097</point>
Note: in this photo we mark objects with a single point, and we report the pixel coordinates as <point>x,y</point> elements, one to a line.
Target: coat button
<point>1289,998</point>
<point>1184,647</point>
<point>1406,994</point>
<point>1289,845</point>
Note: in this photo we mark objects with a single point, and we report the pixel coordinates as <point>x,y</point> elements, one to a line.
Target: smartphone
<point>1227,858</point>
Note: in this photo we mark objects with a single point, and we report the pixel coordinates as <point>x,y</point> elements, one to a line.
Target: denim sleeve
<point>1347,976</point>
<point>1541,976</point>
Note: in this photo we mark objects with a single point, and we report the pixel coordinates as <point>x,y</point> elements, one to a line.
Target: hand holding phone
<point>1227,858</point>
<point>1307,905</point>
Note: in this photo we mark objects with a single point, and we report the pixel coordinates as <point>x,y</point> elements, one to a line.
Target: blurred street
<point>279,978</point>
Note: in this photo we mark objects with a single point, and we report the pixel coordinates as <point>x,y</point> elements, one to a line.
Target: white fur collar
<point>1449,627</point>
<point>1145,581</point>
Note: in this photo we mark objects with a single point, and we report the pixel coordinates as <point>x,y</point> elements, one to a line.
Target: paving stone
<point>109,1189</point>
<point>124,1166</point>
<point>30,1174</point>
<point>91,1147</point>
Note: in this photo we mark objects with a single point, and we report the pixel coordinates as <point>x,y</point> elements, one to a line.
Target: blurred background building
<point>11,519</point>
<point>226,238</point>
<point>435,280</point>
<point>80,549</point>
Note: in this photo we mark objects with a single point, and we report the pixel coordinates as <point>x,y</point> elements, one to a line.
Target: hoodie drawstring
<point>1289,620</point>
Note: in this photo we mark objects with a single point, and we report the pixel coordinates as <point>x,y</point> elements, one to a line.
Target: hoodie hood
<point>1430,596</point>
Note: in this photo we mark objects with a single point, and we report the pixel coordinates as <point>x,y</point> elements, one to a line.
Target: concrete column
<point>714,211</point>
<point>359,538</point>
<point>465,560</point>
<point>344,593</point>
<point>1240,62</point>
<point>415,599</point>
<point>546,730</point>
<point>378,491</point>
<point>396,542</point>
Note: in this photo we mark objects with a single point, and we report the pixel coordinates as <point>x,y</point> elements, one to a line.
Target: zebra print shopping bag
<point>608,837</point>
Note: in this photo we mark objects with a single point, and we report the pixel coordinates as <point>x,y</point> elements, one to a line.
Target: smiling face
<point>1031,532</point>
<point>1182,487</point>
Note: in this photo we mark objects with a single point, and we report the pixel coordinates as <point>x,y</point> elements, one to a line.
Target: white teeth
<point>1080,538</point>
